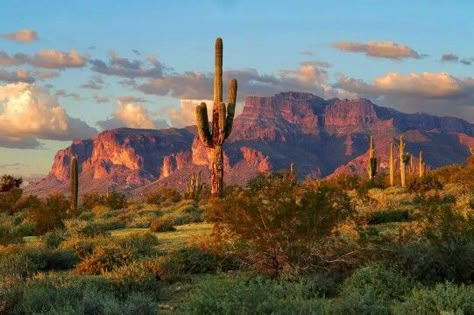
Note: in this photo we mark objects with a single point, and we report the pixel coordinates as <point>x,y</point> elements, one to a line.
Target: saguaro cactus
<point>194,186</point>
<point>391,165</point>
<point>222,120</point>
<point>401,151</point>
<point>74,182</point>
<point>421,165</point>
<point>372,162</point>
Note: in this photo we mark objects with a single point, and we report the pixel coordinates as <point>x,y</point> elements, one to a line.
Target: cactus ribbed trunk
<point>74,183</point>
<point>372,166</point>
<point>391,166</point>
<point>401,151</point>
<point>222,120</point>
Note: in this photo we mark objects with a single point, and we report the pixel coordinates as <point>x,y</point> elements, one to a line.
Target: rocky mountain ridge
<point>320,136</point>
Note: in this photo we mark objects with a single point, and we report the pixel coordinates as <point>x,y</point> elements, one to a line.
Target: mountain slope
<point>320,136</point>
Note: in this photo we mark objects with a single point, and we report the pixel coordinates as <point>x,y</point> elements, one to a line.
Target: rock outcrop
<point>320,137</point>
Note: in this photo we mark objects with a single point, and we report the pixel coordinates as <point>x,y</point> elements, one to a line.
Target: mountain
<point>322,137</point>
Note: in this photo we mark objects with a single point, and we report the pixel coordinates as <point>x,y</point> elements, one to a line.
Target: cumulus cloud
<point>123,67</point>
<point>132,116</point>
<point>29,113</point>
<point>47,58</point>
<point>308,77</point>
<point>379,49</point>
<point>438,93</point>
<point>22,36</point>
<point>183,115</point>
<point>131,99</point>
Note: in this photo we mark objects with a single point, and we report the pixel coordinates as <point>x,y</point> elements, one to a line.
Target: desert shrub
<point>8,236</point>
<point>366,184</point>
<point>321,284</point>
<point>86,215</point>
<point>50,214</point>
<point>442,299</point>
<point>387,216</point>
<point>90,200</point>
<point>141,245</point>
<point>54,238</point>
<point>187,261</point>
<point>51,294</point>
<point>142,220</point>
<point>81,247</point>
<point>139,276</point>
<point>162,225</point>
<point>25,229</point>
<point>25,261</point>
<point>243,295</point>
<point>279,225</point>
<point>107,256</point>
<point>104,257</point>
<point>424,184</point>
<point>9,199</point>
<point>8,182</point>
<point>371,290</point>
<point>114,200</point>
<point>163,195</point>
<point>345,181</point>
<point>440,246</point>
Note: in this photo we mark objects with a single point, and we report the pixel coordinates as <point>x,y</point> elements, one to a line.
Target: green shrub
<point>163,195</point>
<point>442,299</point>
<point>387,216</point>
<point>141,245</point>
<point>50,214</point>
<point>162,225</point>
<point>104,258</point>
<point>139,276</point>
<point>242,295</point>
<point>54,238</point>
<point>114,200</point>
<point>52,294</point>
<point>187,261</point>
<point>9,199</point>
<point>280,224</point>
<point>424,184</point>
<point>384,283</point>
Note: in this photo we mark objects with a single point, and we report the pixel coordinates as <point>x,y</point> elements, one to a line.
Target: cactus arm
<point>202,122</point>
<point>231,99</point>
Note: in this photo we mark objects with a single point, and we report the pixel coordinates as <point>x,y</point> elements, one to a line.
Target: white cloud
<point>132,116</point>
<point>28,113</point>
<point>378,49</point>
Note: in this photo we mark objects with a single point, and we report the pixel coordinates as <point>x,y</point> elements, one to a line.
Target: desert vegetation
<point>344,245</point>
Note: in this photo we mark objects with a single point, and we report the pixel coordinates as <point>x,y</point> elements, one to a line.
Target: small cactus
<point>373,162</point>
<point>194,187</point>
<point>421,165</point>
<point>73,175</point>
<point>391,165</point>
<point>402,157</point>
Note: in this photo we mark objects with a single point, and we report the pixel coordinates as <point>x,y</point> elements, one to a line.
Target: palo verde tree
<point>222,120</point>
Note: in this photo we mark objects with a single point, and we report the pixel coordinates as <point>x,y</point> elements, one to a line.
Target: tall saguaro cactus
<point>74,182</point>
<point>222,120</point>
<point>421,165</point>
<point>391,165</point>
<point>372,163</point>
<point>401,151</point>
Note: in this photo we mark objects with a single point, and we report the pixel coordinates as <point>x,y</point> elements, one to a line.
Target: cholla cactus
<point>402,157</point>
<point>194,186</point>
<point>74,182</point>
<point>372,162</point>
<point>222,120</point>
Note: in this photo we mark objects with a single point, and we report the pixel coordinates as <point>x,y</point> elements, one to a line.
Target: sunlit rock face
<point>321,137</point>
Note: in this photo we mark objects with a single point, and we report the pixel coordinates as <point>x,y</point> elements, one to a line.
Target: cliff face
<point>320,136</point>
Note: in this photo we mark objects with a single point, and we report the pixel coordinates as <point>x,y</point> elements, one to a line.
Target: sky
<point>71,69</point>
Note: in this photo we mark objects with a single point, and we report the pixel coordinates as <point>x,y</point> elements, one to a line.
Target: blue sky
<point>150,60</point>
